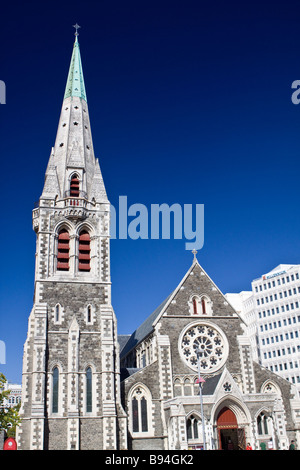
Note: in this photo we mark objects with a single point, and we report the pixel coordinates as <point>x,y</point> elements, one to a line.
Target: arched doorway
<point>230,436</point>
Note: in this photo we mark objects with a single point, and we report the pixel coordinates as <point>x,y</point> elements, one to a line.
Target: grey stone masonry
<point>71,377</point>
<point>161,364</point>
<point>72,327</point>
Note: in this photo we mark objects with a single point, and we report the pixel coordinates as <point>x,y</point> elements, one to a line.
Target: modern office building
<point>271,311</point>
<point>276,297</point>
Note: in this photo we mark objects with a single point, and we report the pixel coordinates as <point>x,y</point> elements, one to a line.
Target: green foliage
<point>9,416</point>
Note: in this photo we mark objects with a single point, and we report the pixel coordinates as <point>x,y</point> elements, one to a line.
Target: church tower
<point>71,381</point>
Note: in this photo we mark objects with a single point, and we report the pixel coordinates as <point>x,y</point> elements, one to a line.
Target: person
<point>249,447</point>
<point>263,446</point>
<point>230,445</point>
<point>292,446</point>
<point>270,444</point>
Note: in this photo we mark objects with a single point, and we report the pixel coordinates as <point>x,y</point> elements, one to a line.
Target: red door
<point>227,430</point>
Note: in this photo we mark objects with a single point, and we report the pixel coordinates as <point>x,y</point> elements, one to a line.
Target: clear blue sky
<point>190,103</point>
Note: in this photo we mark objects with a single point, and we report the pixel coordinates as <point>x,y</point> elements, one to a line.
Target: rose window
<point>205,341</point>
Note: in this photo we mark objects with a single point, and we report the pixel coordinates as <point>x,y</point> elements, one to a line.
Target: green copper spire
<point>75,83</point>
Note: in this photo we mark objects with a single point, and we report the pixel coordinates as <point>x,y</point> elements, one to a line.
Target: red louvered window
<point>63,251</point>
<point>195,306</point>
<point>74,186</point>
<point>84,256</point>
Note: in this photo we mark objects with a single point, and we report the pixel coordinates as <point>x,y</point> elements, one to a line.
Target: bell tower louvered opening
<point>84,256</point>
<point>63,250</point>
<point>74,186</point>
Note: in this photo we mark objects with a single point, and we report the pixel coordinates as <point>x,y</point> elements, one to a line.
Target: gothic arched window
<point>135,415</point>
<point>84,255</point>
<point>139,414</point>
<point>195,306</point>
<point>200,305</point>
<point>88,378</point>
<point>205,305</point>
<point>192,427</point>
<point>89,314</point>
<point>262,424</point>
<point>63,250</point>
<point>74,186</point>
<point>55,380</point>
<point>139,411</point>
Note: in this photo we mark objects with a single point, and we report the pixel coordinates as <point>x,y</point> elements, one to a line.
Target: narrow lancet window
<point>89,314</point>
<point>57,313</point>
<point>55,378</point>
<point>135,415</point>
<point>89,390</point>
<point>144,417</point>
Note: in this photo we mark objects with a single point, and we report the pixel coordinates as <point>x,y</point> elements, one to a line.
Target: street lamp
<point>201,381</point>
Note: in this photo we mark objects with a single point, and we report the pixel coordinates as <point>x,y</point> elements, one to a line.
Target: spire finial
<point>76,26</point>
<point>195,253</point>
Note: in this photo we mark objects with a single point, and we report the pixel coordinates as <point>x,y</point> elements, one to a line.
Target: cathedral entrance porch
<point>231,439</point>
<point>230,436</point>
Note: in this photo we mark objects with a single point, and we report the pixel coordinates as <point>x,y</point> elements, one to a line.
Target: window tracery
<point>140,401</point>
<point>262,424</point>
<point>192,425</point>
<point>206,342</point>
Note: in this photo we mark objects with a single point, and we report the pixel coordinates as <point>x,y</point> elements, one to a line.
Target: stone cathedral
<point>185,379</point>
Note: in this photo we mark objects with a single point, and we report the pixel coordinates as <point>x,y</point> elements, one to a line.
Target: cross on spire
<point>194,253</point>
<point>76,26</point>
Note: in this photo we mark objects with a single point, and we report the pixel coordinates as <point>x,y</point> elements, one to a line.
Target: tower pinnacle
<point>73,152</point>
<point>75,83</point>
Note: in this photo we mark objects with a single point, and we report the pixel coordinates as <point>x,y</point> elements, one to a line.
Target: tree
<point>9,416</point>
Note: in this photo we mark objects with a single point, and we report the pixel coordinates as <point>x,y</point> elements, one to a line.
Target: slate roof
<point>122,340</point>
<point>210,385</point>
<point>127,372</point>
<point>143,330</point>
